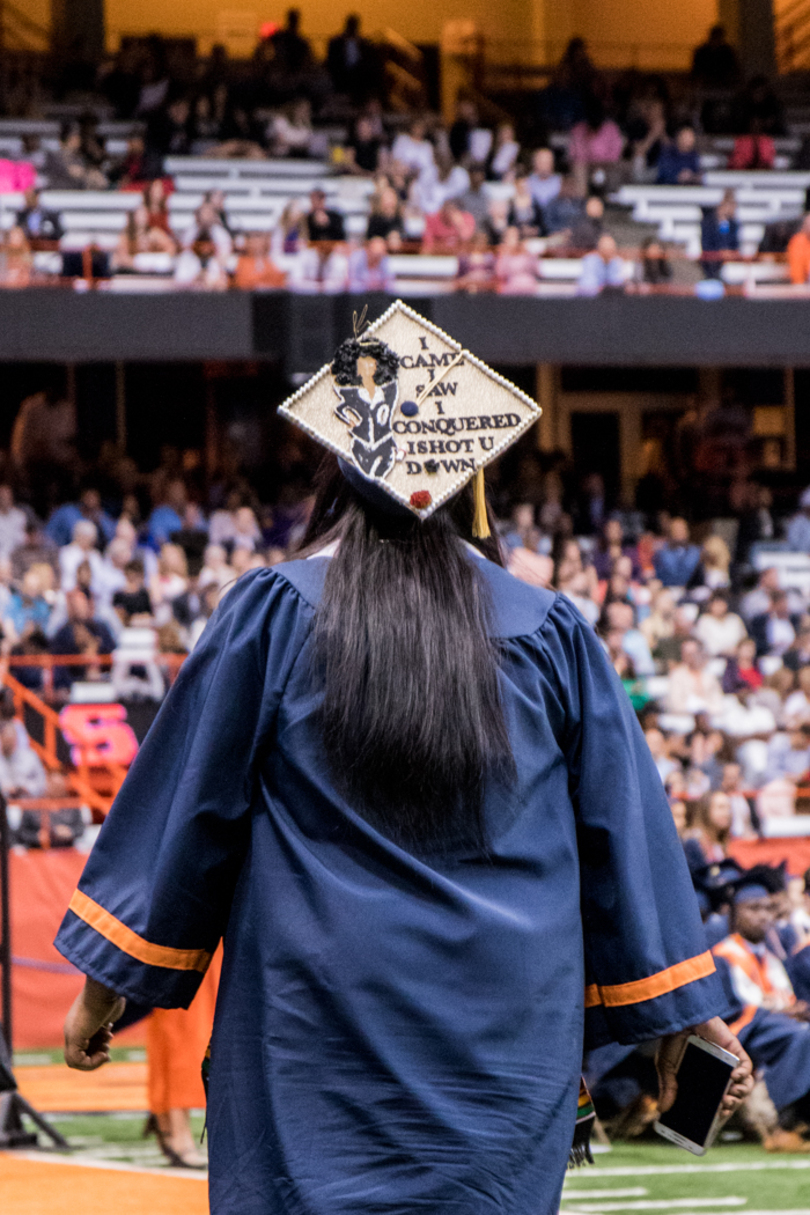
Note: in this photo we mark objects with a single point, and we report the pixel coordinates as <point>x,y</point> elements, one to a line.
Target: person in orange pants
<point>176,1041</point>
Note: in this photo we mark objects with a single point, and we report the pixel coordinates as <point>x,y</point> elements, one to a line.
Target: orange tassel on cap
<point>480,527</point>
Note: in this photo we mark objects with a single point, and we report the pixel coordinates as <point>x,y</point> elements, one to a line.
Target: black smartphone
<point>704,1075</point>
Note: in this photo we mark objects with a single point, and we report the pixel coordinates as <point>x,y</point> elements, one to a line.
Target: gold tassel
<point>480,527</point>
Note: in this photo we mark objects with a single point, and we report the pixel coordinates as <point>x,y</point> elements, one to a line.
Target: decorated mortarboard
<point>411,414</point>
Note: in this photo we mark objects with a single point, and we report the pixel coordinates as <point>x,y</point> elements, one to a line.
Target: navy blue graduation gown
<point>393,1034</point>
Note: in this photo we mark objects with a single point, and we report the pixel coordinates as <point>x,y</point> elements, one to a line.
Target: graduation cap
<point>714,883</point>
<point>411,415</point>
<point>759,882</point>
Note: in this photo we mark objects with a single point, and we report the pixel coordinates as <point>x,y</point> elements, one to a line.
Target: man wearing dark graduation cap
<point>411,794</point>
<point>769,1020</point>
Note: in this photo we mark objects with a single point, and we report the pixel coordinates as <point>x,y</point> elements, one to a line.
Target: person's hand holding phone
<point>669,1056</point>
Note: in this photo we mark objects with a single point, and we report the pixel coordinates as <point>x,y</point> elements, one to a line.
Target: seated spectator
<point>675,561</point>
<point>774,631</point>
<point>659,749</point>
<point>757,107</point>
<point>796,708</point>
<point>647,133</point>
<point>679,163</point>
<point>543,182</point>
<point>385,218</point>
<point>21,770</point>
<point>290,132</point>
<point>130,169</point>
<point>743,818</point>
<point>169,582</point>
<point>741,673</point>
<point>82,634</point>
<point>535,569</point>
<point>321,267</point>
<point>595,142</point>
<point>323,223</point>
<point>497,220</point>
<point>476,267</point>
<point>525,212</point>
<point>798,251</point>
<point>132,602</point>
<point>563,212</point>
<point>13,522</point>
<point>36,221</point>
<point>448,230</point>
<point>82,548</point>
<point>215,571</point>
<point>67,168</point>
<point>255,267</point>
<point>798,528</point>
<point>768,1019</point>
<point>602,269</point>
<point>370,269</point>
<point>16,260</point>
<point>37,548</point>
<point>155,201</point>
<point>516,268</point>
<point>620,620</point>
<point>289,235</point>
<point>168,133</point>
<point>719,234</point>
<point>692,686</point>
<point>502,162</point>
<point>201,265</point>
<point>754,151</point>
<point>365,153</point>
<point>589,229</point>
<point>208,225</point>
<point>719,629</point>
<point>789,755</point>
<point>140,237</point>
<point>464,130</point>
<point>27,609</point>
<point>474,199</point>
<point>712,570</point>
<point>413,150</point>
<point>654,268</point>
<point>707,843</point>
<point>434,187</point>
<point>659,625</point>
<point>168,514</point>
<point>798,655</point>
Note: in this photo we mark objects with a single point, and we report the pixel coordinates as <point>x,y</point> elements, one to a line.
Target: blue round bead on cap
<point>409,408</point>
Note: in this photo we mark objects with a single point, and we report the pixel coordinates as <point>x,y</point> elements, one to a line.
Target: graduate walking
<point>411,795</point>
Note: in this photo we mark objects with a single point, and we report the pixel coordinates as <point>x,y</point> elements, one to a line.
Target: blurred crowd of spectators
<point>498,195</point>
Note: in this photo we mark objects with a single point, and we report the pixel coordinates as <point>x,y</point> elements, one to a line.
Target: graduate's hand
<point>89,1026</point>
<point>669,1057</point>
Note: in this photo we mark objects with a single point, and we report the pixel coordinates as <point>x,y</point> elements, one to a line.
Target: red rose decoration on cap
<point>421,500</point>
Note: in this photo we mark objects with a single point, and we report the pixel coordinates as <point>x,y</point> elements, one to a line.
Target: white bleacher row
<point>762,198</point>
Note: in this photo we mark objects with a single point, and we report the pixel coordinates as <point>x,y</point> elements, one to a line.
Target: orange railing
<point>95,783</point>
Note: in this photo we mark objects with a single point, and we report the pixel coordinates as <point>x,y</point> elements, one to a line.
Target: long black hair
<point>412,717</point>
<point>344,364</point>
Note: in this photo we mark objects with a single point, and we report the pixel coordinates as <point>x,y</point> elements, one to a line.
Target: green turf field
<point>669,1181</point>
<point>651,1176</point>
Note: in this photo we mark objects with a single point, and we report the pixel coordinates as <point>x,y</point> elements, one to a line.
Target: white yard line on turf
<point>84,1163</point>
<point>636,1191</point>
<point>654,1170</point>
<point>658,1204</point>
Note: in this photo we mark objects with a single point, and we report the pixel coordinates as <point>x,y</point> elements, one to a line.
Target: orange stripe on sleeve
<point>748,1014</point>
<point>129,942</point>
<point>656,985</point>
